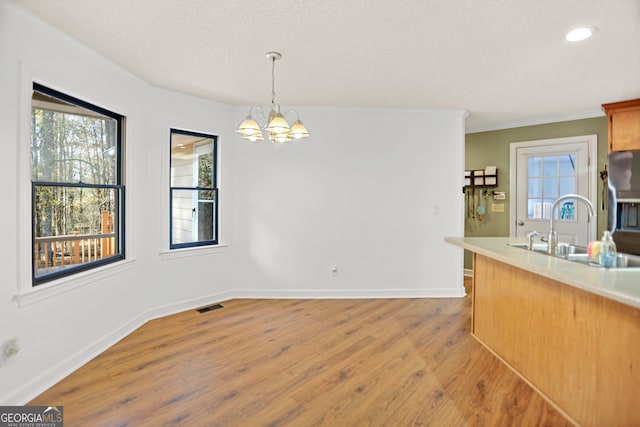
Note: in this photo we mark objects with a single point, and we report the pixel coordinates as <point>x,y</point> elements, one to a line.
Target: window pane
<point>534,209</point>
<point>567,185</point>
<point>182,212</point>
<point>192,220</point>
<point>204,195</point>
<point>550,187</point>
<point>567,165</point>
<point>534,166</point>
<point>71,144</point>
<point>205,221</point>
<point>182,165</point>
<point>566,210</point>
<point>550,166</point>
<point>546,203</point>
<point>192,160</point>
<point>535,187</point>
<point>74,226</point>
<point>205,169</point>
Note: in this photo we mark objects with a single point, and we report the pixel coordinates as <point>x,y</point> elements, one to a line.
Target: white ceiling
<point>505,61</point>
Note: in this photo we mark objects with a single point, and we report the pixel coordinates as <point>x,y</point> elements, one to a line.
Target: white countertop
<point>619,284</point>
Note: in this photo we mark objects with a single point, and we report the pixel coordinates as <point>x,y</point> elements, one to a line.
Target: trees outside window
<point>193,188</point>
<point>77,189</point>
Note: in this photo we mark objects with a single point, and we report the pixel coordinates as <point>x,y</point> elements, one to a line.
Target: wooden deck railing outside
<point>59,251</point>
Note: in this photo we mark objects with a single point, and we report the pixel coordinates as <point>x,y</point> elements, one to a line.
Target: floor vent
<point>211,307</point>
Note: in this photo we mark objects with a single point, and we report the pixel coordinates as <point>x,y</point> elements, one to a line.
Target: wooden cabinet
<point>580,350</point>
<point>624,125</point>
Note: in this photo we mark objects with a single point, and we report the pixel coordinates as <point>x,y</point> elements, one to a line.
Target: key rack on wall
<point>477,194</point>
<point>487,177</point>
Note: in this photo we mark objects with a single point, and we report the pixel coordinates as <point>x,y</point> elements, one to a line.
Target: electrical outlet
<point>9,350</point>
<point>334,271</point>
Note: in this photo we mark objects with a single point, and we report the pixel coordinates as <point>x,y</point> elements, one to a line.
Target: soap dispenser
<point>607,256</point>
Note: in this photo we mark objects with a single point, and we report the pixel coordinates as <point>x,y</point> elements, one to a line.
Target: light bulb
<point>578,34</point>
<point>298,131</point>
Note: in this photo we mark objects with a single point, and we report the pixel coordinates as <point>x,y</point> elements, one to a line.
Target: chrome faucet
<point>530,237</point>
<point>552,241</point>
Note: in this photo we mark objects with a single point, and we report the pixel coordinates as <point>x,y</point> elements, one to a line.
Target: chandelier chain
<point>273,81</point>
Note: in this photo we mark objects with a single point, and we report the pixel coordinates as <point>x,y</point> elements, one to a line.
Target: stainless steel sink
<point>566,249</point>
<point>632,261</point>
<point>582,258</point>
<point>538,247</point>
<point>579,254</point>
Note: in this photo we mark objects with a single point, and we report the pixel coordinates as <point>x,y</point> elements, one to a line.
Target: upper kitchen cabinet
<point>624,125</point>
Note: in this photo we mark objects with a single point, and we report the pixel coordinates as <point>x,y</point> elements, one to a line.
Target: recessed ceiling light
<point>579,34</point>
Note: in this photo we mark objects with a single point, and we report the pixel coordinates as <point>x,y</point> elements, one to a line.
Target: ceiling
<point>505,61</point>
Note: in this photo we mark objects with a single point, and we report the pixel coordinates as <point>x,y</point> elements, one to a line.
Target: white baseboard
<point>169,309</point>
<point>44,381</point>
<point>349,293</point>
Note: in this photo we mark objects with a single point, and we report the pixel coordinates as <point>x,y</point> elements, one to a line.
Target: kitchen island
<point>570,330</point>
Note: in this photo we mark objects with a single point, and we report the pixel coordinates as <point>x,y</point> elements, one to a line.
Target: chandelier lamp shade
<point>275,128</point>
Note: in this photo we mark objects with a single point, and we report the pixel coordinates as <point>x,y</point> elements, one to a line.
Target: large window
<point>77,192</point>
<point>193,188</point>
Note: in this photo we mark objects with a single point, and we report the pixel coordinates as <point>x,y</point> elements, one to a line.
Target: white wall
<point>357,194</point>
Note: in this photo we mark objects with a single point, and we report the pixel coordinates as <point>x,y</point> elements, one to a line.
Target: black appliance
<point>624,200</point>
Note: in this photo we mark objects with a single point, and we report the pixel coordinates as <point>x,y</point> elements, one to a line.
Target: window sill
<point>167,255</point>
<point>57,287</point>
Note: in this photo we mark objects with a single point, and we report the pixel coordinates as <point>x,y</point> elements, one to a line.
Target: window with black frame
<point>77,192</point>
<point>193,190</point>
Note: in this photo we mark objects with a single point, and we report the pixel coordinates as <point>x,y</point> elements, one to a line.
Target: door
<point>542,171</point>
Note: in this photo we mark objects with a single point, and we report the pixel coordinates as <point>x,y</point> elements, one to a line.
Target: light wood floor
<point>399,362</point>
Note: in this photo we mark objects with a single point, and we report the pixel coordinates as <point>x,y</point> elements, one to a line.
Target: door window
<point>550,177</point>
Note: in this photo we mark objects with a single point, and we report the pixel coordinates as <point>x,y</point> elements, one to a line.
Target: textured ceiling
<point>505,61</point>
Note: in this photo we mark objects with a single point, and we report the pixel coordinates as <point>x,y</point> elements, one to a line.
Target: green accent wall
<point>491,148</point>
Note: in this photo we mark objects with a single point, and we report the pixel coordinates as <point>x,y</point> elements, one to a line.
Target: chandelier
<point>254,127</point>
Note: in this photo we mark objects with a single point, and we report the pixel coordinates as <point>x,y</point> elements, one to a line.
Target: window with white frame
<point>77,188</point>
<point>193,189</point>
<point>550,177</point>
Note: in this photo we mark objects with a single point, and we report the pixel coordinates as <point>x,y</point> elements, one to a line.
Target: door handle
<point>520,223</point>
